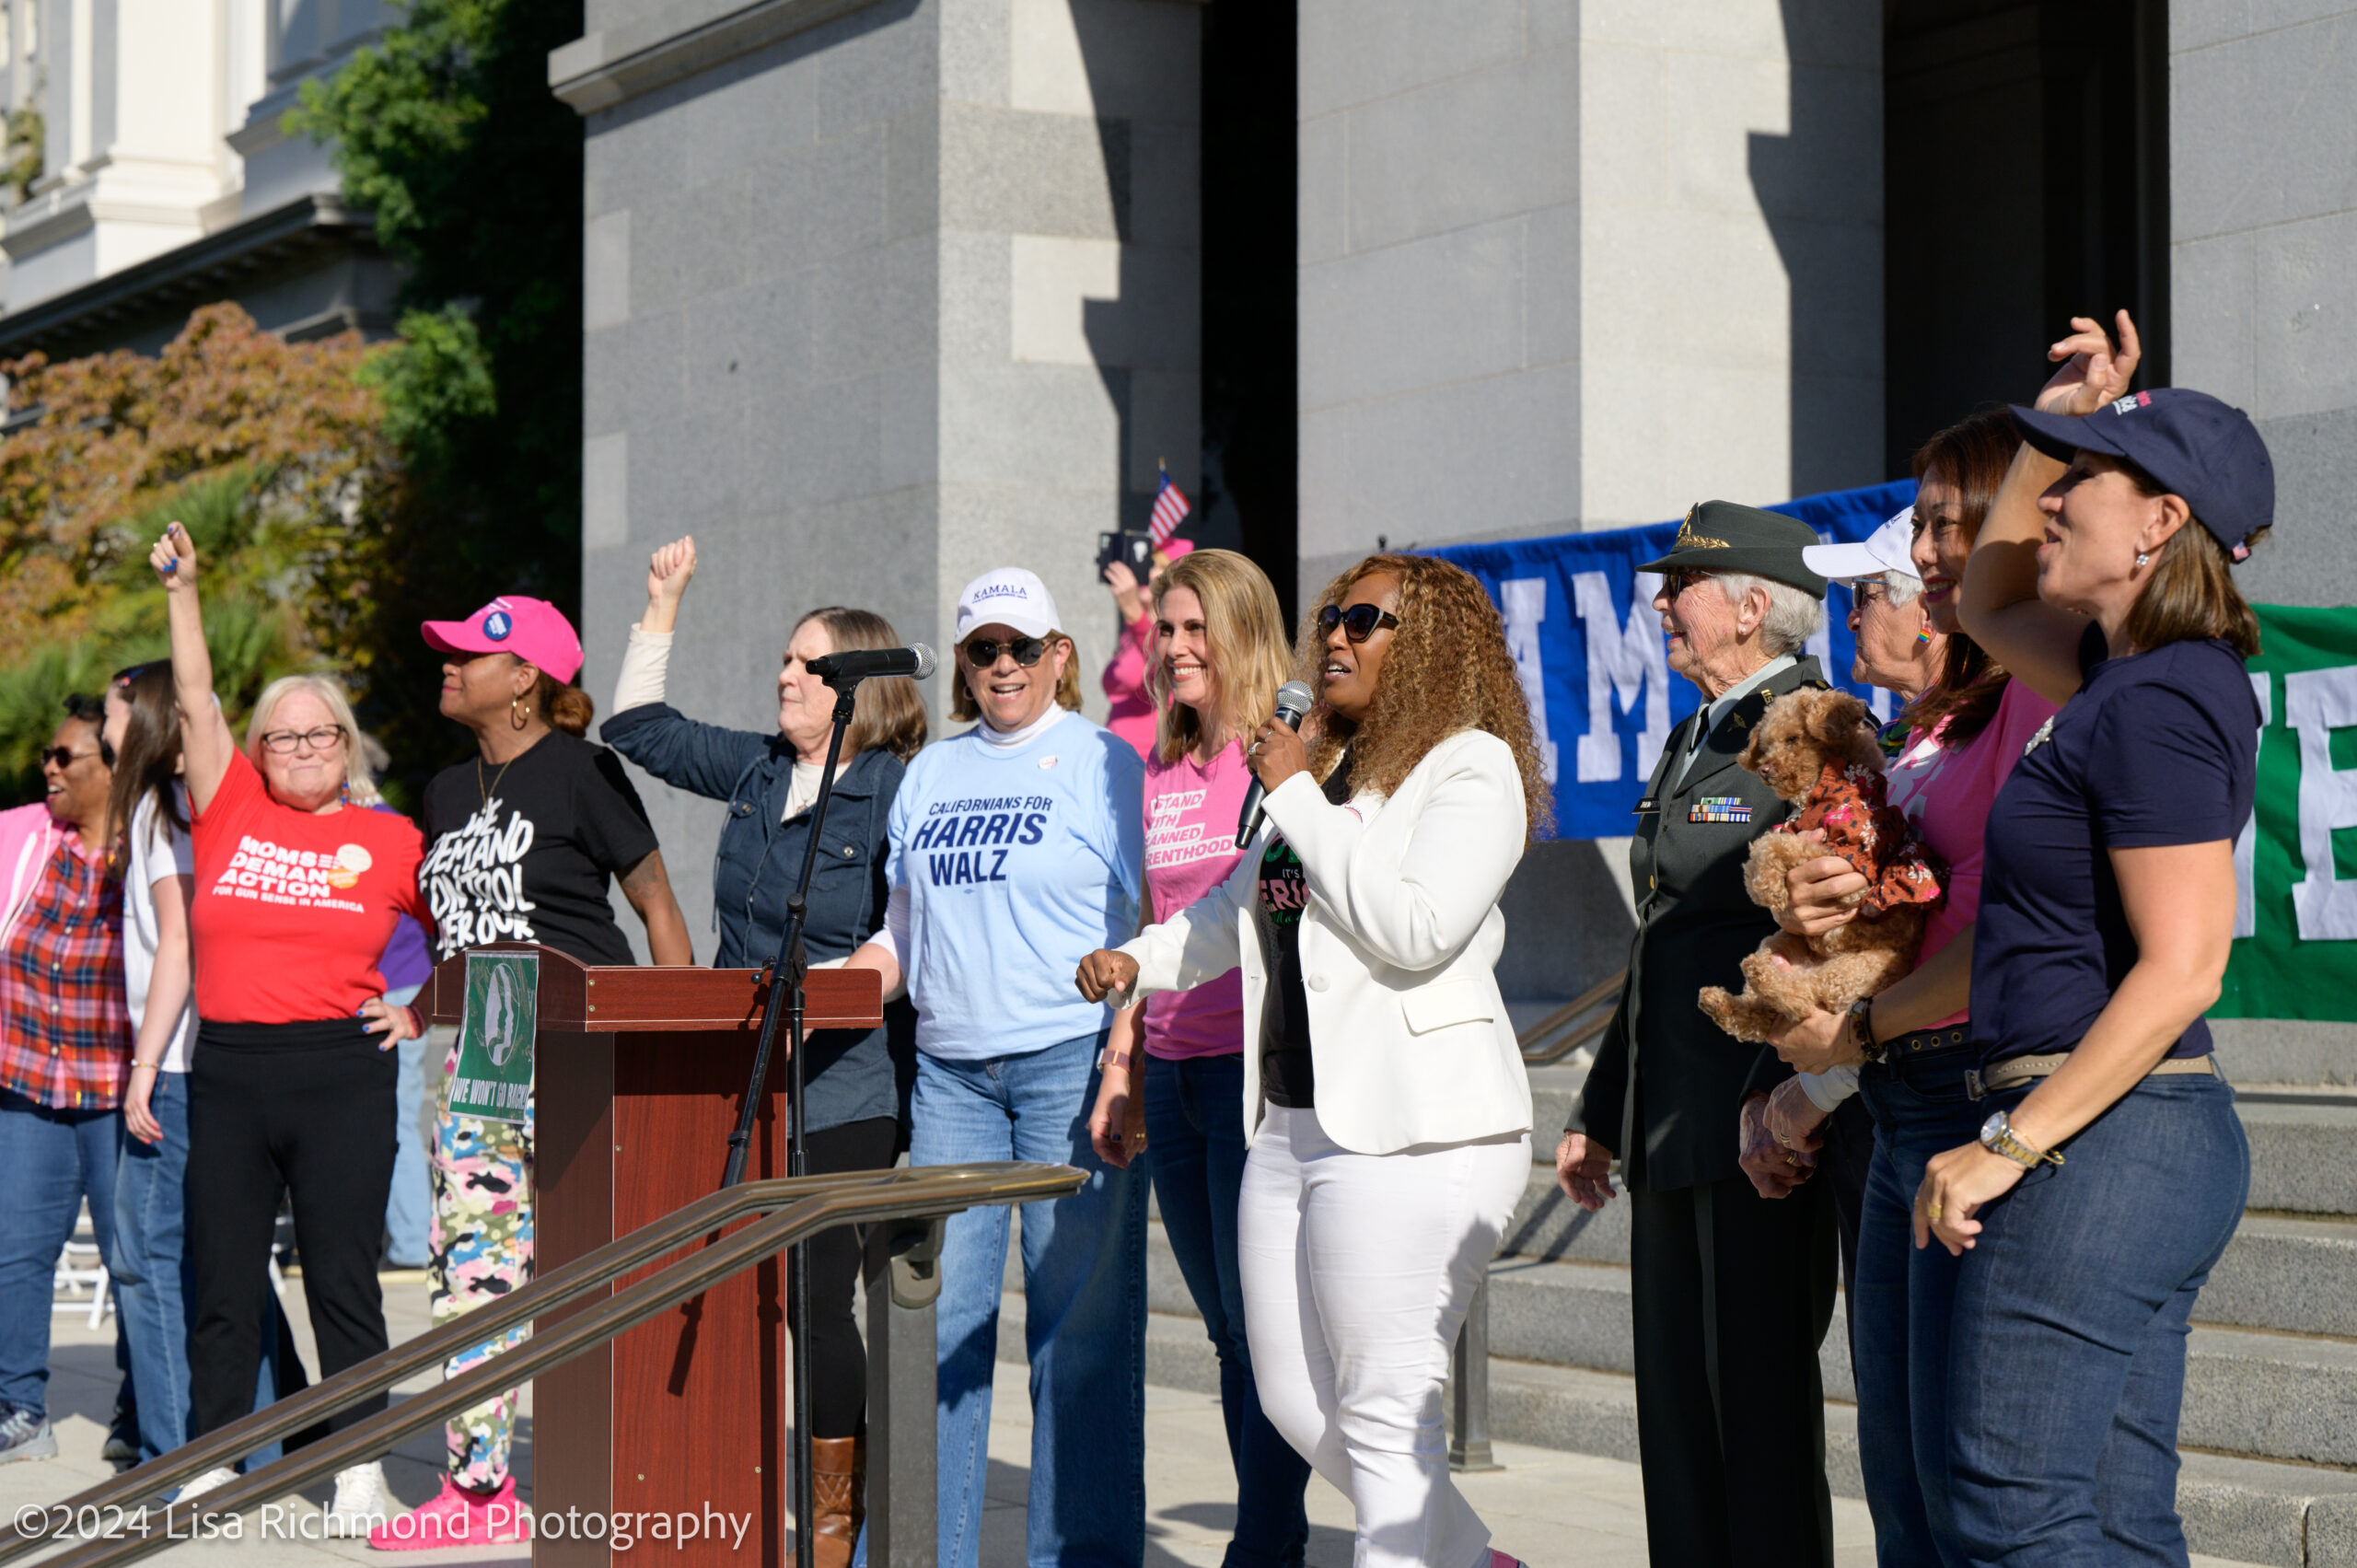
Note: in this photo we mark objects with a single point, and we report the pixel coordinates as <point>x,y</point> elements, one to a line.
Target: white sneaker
<point>208,1481</point>
<point>362,1501</point>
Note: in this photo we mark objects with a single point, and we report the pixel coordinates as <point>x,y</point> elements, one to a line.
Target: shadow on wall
<point>1812,185</point>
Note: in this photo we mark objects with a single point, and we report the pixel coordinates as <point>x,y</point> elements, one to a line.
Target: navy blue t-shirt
<point>2159,748</point>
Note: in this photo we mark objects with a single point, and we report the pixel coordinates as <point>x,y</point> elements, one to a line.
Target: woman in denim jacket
<point>857,1083</point>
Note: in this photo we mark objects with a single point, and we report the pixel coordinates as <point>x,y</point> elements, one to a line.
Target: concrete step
<point>2247,1510</point>
<point>2274,1396</point>
<point>2303,1143</point>
<point>2296,1274</point>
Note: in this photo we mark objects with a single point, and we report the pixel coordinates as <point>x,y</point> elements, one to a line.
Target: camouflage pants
<point>482,1250</point>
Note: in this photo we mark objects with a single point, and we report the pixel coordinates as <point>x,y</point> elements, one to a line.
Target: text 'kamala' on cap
<point>2205,451</point>
<point>1722,536</point>
<point>1008,596</point>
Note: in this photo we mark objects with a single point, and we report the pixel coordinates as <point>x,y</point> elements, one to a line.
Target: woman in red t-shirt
<point>291,1083</point>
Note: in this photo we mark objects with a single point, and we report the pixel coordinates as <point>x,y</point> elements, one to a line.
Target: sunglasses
<point>1358,623</point>
<point>285,742</point>
<point>1676,582</point>
<point>982,652</point>
<point>65,757</point>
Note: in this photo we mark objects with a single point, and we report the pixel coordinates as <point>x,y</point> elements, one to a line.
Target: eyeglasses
<point>285,742</point>
<point>1870,591</point>
<point>1358,623</point>
<point>982,652</point>
<point>65,757</point>
<point>1677,581</point>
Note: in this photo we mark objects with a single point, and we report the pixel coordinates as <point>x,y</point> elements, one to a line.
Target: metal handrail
<point>1551,1039</point>
<point>806,1205</point>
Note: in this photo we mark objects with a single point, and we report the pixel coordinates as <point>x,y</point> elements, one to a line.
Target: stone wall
<point>2263,228</point>
<point>871,307</point>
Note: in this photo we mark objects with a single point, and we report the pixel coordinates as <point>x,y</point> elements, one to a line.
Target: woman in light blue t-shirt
<point>1017,850</point>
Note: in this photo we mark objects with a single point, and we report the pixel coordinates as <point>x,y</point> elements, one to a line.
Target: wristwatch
<point>1861,1028</point>
<point>1109,1057</point>
<point>1998,1137</point>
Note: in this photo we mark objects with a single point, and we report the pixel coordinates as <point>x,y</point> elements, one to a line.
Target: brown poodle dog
<point>1817,748</point>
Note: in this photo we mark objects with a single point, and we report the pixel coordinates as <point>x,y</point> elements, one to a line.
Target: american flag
<point>1170,510</point>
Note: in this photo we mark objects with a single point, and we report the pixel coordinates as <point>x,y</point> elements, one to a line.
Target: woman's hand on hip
<point>1817,888</point>
<point>1955,1184</point>
<point>396,1024</point>
<point>1584,1170</point>
<point>1105,973</point>
<point>1276,752</point>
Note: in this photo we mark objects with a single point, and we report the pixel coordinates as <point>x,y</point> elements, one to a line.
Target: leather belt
<point>2020,1069</point>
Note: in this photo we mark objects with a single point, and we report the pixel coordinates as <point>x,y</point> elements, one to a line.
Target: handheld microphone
<point>1294,702</point>
<point>915,661</point>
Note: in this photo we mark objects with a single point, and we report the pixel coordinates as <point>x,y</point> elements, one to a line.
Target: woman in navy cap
<point>2111,1169</point>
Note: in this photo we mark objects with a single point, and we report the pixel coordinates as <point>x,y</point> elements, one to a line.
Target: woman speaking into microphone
<point>1383,1096</point>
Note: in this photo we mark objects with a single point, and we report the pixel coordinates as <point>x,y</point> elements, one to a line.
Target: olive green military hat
<point>1720,536</point>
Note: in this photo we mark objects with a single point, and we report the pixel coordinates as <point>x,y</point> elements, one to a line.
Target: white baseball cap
<point>1008,596</point>
<point>1885,550</point>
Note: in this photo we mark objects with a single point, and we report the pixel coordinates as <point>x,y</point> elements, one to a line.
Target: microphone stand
<point>788,975</point>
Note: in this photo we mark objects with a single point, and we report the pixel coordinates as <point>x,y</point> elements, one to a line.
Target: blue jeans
<point>409,1206</point>
<point>1084,1296</point>
<point>151,1279</point>
<point>1902,1298</point>
<point>49,1160</point>
<point>1194,1125</point>
<point>2067,1352</point>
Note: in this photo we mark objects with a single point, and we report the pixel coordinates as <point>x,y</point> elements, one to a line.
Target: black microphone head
<point>1294,699</point>
<point>926,661</point>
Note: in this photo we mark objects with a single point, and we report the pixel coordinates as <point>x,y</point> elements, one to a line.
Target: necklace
<point>487,788</point>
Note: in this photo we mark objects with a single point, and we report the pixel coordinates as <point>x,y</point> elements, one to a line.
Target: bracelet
<point>151,1066</point>
<point>1862,1033</point>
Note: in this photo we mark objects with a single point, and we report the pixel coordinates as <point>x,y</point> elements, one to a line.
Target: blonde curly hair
<point>1447,669</point>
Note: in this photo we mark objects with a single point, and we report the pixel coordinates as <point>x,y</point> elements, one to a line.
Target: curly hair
<point>1447,669</point>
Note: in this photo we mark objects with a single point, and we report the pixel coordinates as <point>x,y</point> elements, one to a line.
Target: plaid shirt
<point>64,1024</point>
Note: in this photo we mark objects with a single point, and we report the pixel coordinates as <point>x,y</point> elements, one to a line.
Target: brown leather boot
<point>839,1489</point>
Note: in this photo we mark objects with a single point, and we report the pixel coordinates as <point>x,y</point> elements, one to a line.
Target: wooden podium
<point>640,1074</point>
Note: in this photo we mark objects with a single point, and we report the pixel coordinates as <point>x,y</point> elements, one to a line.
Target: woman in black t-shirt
<point>521,841</point>
<point>2112,1168</point>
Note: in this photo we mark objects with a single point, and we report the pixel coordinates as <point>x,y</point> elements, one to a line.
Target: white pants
<point>1357,1270</point>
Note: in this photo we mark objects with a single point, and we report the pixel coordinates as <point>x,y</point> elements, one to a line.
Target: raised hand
<point>174,558</point>
<point>2093,372</point>
<point>669,570</point>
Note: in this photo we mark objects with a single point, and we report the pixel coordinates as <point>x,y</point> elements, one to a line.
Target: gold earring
<point>516,718</point>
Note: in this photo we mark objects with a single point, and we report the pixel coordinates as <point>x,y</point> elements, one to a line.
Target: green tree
<point>446,131</point>
<point>272,454</point>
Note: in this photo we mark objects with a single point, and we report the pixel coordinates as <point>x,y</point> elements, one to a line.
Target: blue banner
<point>1580,619</point>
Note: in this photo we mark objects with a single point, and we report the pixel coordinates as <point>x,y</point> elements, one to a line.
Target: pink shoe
<point>1497,1558</point>
<point>454,1517</point>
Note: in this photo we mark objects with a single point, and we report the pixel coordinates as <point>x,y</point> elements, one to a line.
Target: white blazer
<point>1409,1042</point>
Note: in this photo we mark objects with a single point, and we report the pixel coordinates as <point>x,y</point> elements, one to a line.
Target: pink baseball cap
<point>532,629</point>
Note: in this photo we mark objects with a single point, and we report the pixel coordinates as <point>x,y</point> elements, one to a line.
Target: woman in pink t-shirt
<point>1219,652</point>
<point>1909,1053</point>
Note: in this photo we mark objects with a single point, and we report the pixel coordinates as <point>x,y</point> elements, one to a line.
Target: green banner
<point>2295,864</point>
<point>503,1014</point>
